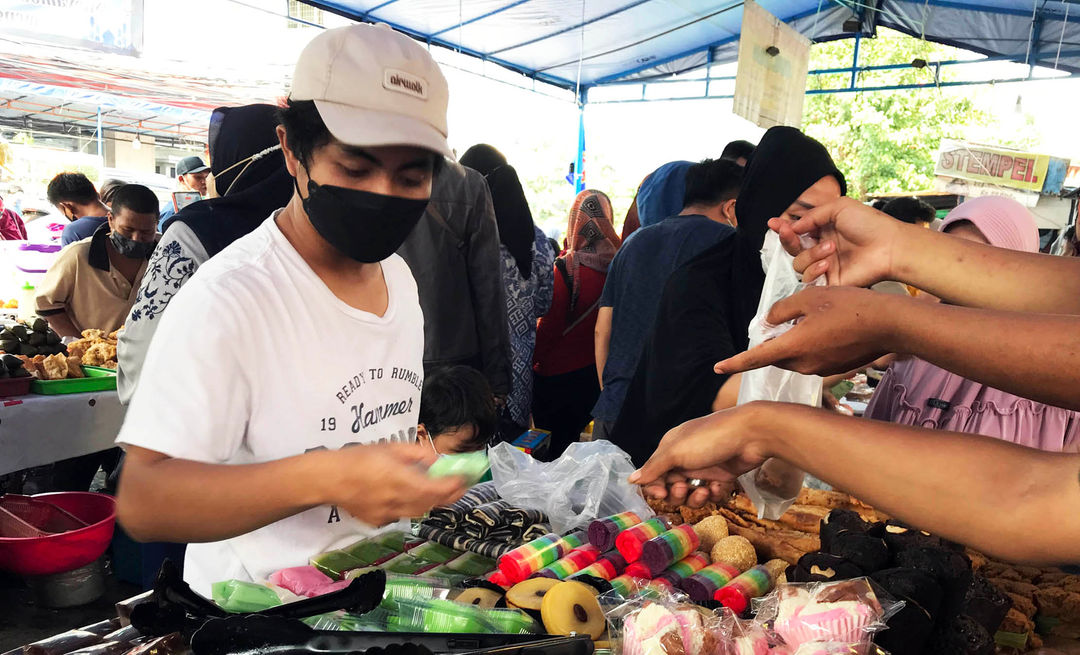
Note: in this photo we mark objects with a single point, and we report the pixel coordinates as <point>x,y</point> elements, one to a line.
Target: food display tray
<point>97,379</point>
<point>10,387</point>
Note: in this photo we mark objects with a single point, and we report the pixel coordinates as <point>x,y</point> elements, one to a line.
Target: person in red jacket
<point>12,227</point>
<point>565,385</point>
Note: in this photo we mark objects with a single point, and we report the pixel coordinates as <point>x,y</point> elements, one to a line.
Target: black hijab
<point>708,303</point>
<point>237,133</point>
<point>516,230</point>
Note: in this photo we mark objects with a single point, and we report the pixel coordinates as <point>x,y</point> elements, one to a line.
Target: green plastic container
<point>471,466</point>
<point>97,379</point>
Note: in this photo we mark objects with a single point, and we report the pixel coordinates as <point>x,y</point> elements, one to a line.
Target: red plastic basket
<point>44,516</point>
<point>56,553</point>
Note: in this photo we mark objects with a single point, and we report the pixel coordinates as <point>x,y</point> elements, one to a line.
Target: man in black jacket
<point>454,255</point>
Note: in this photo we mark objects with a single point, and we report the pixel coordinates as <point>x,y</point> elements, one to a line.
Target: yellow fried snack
<point>55,367</point>
<point>74,367</point>
<point>93,333</point>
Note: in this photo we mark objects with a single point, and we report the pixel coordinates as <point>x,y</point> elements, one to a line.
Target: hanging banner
<point>1002,167</point>
<point>770,84</point>
<point>105,25</point>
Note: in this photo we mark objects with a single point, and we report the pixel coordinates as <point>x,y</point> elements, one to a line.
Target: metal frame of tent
<point>861,19</point>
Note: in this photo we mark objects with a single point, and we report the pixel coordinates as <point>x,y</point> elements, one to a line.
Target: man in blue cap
<point>191,174</point>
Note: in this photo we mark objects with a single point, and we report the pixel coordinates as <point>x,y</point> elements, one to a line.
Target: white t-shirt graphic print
<point>257,360</point>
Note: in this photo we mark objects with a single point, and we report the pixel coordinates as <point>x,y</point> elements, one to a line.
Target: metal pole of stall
<point>100,139</point>
<point>579,166</point>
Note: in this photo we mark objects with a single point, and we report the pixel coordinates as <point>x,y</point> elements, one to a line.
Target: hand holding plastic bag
<point>774,485</point>
<point>589,481</point>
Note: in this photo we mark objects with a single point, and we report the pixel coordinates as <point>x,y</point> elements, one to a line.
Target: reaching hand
<point>855,243</point>
<point>381,483</point>
<point>838,329</point>
<point>715,448</point>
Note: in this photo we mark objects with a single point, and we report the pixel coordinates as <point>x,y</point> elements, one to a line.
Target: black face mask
<point>367,227</point>
<point>131,248</point>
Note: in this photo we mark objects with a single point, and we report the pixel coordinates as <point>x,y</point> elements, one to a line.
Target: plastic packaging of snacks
<point>240,596</point>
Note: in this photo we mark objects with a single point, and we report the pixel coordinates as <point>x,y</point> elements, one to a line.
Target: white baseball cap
<point>374,87</point>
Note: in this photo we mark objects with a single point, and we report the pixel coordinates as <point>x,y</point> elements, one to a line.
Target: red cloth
<point>11,226</point>
<point>556,354</point>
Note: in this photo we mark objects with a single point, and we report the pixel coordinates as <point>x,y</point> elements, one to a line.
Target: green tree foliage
<point>886,141</point>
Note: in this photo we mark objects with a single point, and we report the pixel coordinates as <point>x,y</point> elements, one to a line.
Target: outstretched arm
<point>860,246</point>
<point>1031,355</point>
<point>981,492</point>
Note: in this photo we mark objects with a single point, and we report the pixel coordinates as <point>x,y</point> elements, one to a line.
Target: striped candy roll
<point>629,541</point>
<point>703,585</point>
<point>608,567</point>
<point>684,568</point>
<point>602,532</point>
<point>627,586</point>
<point>572,563</point>
<point>737,594</point>
<point>523,561</point>
<point>662,551</point>
<point>638,570</point>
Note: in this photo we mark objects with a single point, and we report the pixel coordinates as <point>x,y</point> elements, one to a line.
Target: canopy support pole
<point>100,140</point>
<point>579,162</point>
<point>855,62</point>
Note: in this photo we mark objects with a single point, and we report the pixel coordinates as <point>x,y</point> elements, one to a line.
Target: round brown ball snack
<point>571,608</point>
<point>710,530</point>
<point>736,551</point>
<point>776,568</point>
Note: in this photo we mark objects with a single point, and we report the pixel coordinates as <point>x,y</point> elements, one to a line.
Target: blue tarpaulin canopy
<point>577,44</point>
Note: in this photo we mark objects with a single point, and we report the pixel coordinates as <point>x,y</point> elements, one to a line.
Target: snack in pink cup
<point>840,612</point>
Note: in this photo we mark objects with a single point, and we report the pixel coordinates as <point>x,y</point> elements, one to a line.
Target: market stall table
<point>37,430</point>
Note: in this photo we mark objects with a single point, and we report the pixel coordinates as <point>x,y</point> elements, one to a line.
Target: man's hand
<point>381,483</point>
<point>717,448</point>
<point>838,329</point>
<point>855,243</point>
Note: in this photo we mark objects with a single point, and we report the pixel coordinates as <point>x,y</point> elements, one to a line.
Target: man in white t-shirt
<point>277,410</point>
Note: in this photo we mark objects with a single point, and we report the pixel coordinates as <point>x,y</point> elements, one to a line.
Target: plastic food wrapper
<point>439,616</point>
<point>435,553</point>
<point>335,563</point>
<point>300,580</point>
<point>471,564</point>
<point>406,564</point>
<point>587,482</point>
<point>370,552</point>
<point>471,466</point>
<point>774,485</point>
<point>745,637</point>
<point>241,596</point>
<point>521,562</point>
<point>663,624</point>
<point>63,643</point>
<point>847,612</point>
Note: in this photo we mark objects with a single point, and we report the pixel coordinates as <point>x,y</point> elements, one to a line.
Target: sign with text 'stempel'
<point>999,166</point>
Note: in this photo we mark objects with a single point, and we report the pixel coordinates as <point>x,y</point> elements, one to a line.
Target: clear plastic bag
<point>662,622</point>
<point>774,485</point>
<point>846,614</point>
<point>588,482</point>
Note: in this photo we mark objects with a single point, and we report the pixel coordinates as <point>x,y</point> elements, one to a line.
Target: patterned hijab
<point>591,240</point>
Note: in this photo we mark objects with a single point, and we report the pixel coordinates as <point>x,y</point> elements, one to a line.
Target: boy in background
<point>457,411</point>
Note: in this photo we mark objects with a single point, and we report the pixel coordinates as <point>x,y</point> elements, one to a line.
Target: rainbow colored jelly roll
<point>737,594</point>
<point>608,567</point>
<point>518,564</point>
<point>662,551</point>
<point>684,568</point>
<point>704,584</point>
<point>630,541</point>
<point>602,532</point>
<point>638,570</point>
<point>626,585</point>
<point>574,561</point>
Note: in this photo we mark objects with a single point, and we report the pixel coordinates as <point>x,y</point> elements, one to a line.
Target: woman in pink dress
<point>915,392</point>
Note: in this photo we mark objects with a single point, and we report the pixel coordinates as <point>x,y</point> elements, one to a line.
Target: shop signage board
<point>770,84</point>
<point>1001,167</point>
<point>104,25</point>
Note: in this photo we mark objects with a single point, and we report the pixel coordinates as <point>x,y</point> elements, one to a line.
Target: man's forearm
<point>62,324</point>
<point>982,492</point>
<point>184,501</point>
<point>975,275</point>
<point>602,340</point>
<point>983,346</point>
